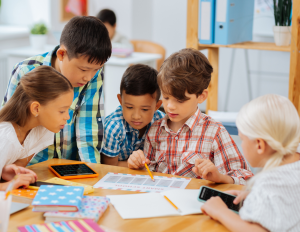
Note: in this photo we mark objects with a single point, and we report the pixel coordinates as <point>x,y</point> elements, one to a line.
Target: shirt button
<point>176,137</point>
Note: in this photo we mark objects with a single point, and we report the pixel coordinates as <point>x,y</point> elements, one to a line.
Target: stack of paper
<point>149,205</point>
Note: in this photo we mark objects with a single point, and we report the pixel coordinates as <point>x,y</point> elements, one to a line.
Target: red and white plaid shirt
<point>200,137</point>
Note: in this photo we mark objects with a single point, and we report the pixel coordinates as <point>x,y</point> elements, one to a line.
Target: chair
<point>150,47</point>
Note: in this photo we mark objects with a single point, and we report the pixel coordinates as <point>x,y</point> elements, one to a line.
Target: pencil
<point>149,172</point>
<point>172,204</point>
<point>33,187</point>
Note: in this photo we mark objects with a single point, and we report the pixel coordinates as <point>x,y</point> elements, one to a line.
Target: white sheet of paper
<point>150,205</point>
<point>141,183</point>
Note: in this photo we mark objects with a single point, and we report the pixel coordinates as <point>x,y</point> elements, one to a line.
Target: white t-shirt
<point>11,150</point>
<point>274,200</point>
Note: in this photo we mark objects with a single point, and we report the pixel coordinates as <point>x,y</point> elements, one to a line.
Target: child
<point>187,142</point>
<point>125,129</point>
<point>109,19</point>
<point>270,130</point>
<point>84,48</point>
<point>28,121</point>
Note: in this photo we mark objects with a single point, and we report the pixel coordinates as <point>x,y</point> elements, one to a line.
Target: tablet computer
<point>73,170</point>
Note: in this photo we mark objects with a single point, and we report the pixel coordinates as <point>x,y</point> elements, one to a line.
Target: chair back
<point>150,47</point>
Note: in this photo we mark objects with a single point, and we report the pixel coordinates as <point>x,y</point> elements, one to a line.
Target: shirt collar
<point>48,57</point>
<point>191,122</point>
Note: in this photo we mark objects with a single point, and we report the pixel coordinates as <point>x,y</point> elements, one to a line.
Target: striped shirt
<point>82,136</point>
<point>200,137</point>
<point>273,201</point>
<point>121,139</point>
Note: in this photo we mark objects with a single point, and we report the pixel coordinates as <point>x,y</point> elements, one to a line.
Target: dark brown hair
<point>107,15</point>
<point>140,79</point>
<point>185,71</point>
<point>43,84</point>
<point>86,36</point>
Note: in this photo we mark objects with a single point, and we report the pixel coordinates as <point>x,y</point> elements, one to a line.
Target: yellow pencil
<point>172,204</point>
<point>149,172</point>
<point>33,187</point>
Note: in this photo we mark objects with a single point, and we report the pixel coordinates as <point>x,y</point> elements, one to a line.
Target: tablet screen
<point>73,170</point>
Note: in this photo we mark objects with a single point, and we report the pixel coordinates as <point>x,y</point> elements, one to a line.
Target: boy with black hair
<point>126,128</point>
<point>109,19</point>
<point>84,48</point>
<point>187,142</point>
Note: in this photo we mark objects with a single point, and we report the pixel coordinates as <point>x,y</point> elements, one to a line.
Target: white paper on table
<point>150,205</point>
<point>141,183</point>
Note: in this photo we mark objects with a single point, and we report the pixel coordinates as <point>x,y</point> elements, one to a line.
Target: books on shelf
<point>86,225</point>
<point>92,207</point>
<point>58,198</point>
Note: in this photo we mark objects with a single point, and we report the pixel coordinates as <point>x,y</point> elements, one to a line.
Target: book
<point>86,225</point>
<point>148,205</point>
<point>23,195</point>
<point>91,208</point>
<point>58,198</point>
<point>87,188</point>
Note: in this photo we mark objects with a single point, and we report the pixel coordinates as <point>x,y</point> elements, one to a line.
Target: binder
<point>234,21</point>
<point>206,22</point>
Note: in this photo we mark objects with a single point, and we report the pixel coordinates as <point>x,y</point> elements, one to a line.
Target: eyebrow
<point>126,103</point>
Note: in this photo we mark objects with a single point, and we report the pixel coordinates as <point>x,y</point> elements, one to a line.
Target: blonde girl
<point>270,130</point>
<point>37,110</point>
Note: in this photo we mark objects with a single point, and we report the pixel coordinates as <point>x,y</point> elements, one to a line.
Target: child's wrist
<point>225,179</point>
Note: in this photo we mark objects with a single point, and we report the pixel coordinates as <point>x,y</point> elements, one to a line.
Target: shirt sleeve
<point>89,123</point>
<point>228,159</point>
<point>112,138</point>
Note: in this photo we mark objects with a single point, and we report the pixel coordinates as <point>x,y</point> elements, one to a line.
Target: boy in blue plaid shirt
<point>126,128</point>
<point>84,48</point>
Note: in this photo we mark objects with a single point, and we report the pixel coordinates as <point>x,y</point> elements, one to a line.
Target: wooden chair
<point>149,47</point>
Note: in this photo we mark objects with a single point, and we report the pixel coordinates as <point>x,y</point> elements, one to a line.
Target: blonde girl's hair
<point>274,119</point>
<point>43,84</point>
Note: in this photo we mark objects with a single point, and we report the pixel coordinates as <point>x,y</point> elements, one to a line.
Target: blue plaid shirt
<point>81,138</point>
<point>121,139</point>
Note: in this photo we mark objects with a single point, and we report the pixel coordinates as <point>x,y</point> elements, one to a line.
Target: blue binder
<point>206,22</point>
<point>234,21</point>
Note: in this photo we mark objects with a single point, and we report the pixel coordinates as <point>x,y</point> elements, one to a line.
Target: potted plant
<point>38,36</point>
<point>282,28</point>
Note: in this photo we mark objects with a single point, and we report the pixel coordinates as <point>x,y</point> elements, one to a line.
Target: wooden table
<point>111,219</point>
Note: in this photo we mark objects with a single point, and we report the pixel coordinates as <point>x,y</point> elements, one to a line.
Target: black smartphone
<point>206,193</point>
<point>39,183</point>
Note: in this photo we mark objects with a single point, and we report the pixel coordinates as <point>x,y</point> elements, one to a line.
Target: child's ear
<point>35,108</point>
<point>260,146</point>
<point>158,104</point>
<point>61,52</point>
<point>203,96</point>
<point>119,98</point>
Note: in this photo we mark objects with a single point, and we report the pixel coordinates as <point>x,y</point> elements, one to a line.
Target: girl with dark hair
<point>38,109</point>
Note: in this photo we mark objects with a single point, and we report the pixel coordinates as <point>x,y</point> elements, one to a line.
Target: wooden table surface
<point>111,219</point>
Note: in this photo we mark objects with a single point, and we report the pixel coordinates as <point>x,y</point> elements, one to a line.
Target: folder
<point>206,22</point>
<point>234,21</point>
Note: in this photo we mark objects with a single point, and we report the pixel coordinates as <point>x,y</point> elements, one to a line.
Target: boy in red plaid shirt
<point>187,142</point>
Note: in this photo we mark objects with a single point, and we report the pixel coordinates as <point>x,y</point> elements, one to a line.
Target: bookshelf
<point>213,53</point>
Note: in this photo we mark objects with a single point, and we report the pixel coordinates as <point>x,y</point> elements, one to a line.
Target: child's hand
<point>207,170</point>
<point>9,171</point>
<point>23,180</point>
<point>241,195</point>
<point>214,207</point>
<point>137,160</point>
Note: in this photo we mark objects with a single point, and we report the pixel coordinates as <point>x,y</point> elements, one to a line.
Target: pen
<point>172,204</point>
<point>149,172</point>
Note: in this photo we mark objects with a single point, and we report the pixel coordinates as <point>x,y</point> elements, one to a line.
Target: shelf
<point>249,45</point>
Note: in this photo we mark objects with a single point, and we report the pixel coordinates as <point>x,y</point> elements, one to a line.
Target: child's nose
<point>136,115</point>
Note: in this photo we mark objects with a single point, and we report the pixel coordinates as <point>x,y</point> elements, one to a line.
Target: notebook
<point>58,198</point>
<point>87,188</point>
<point>91,208</point>
<point>23,195</point>
<point>86,225</point>
<point>148,205</point>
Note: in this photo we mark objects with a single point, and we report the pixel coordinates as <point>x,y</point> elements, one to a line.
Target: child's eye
<point>83,70</point>
<point>128,107</point>
<point>145,109</point>
<point>180,101</point>
<point>166,98</point>
<point>62,112</point>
